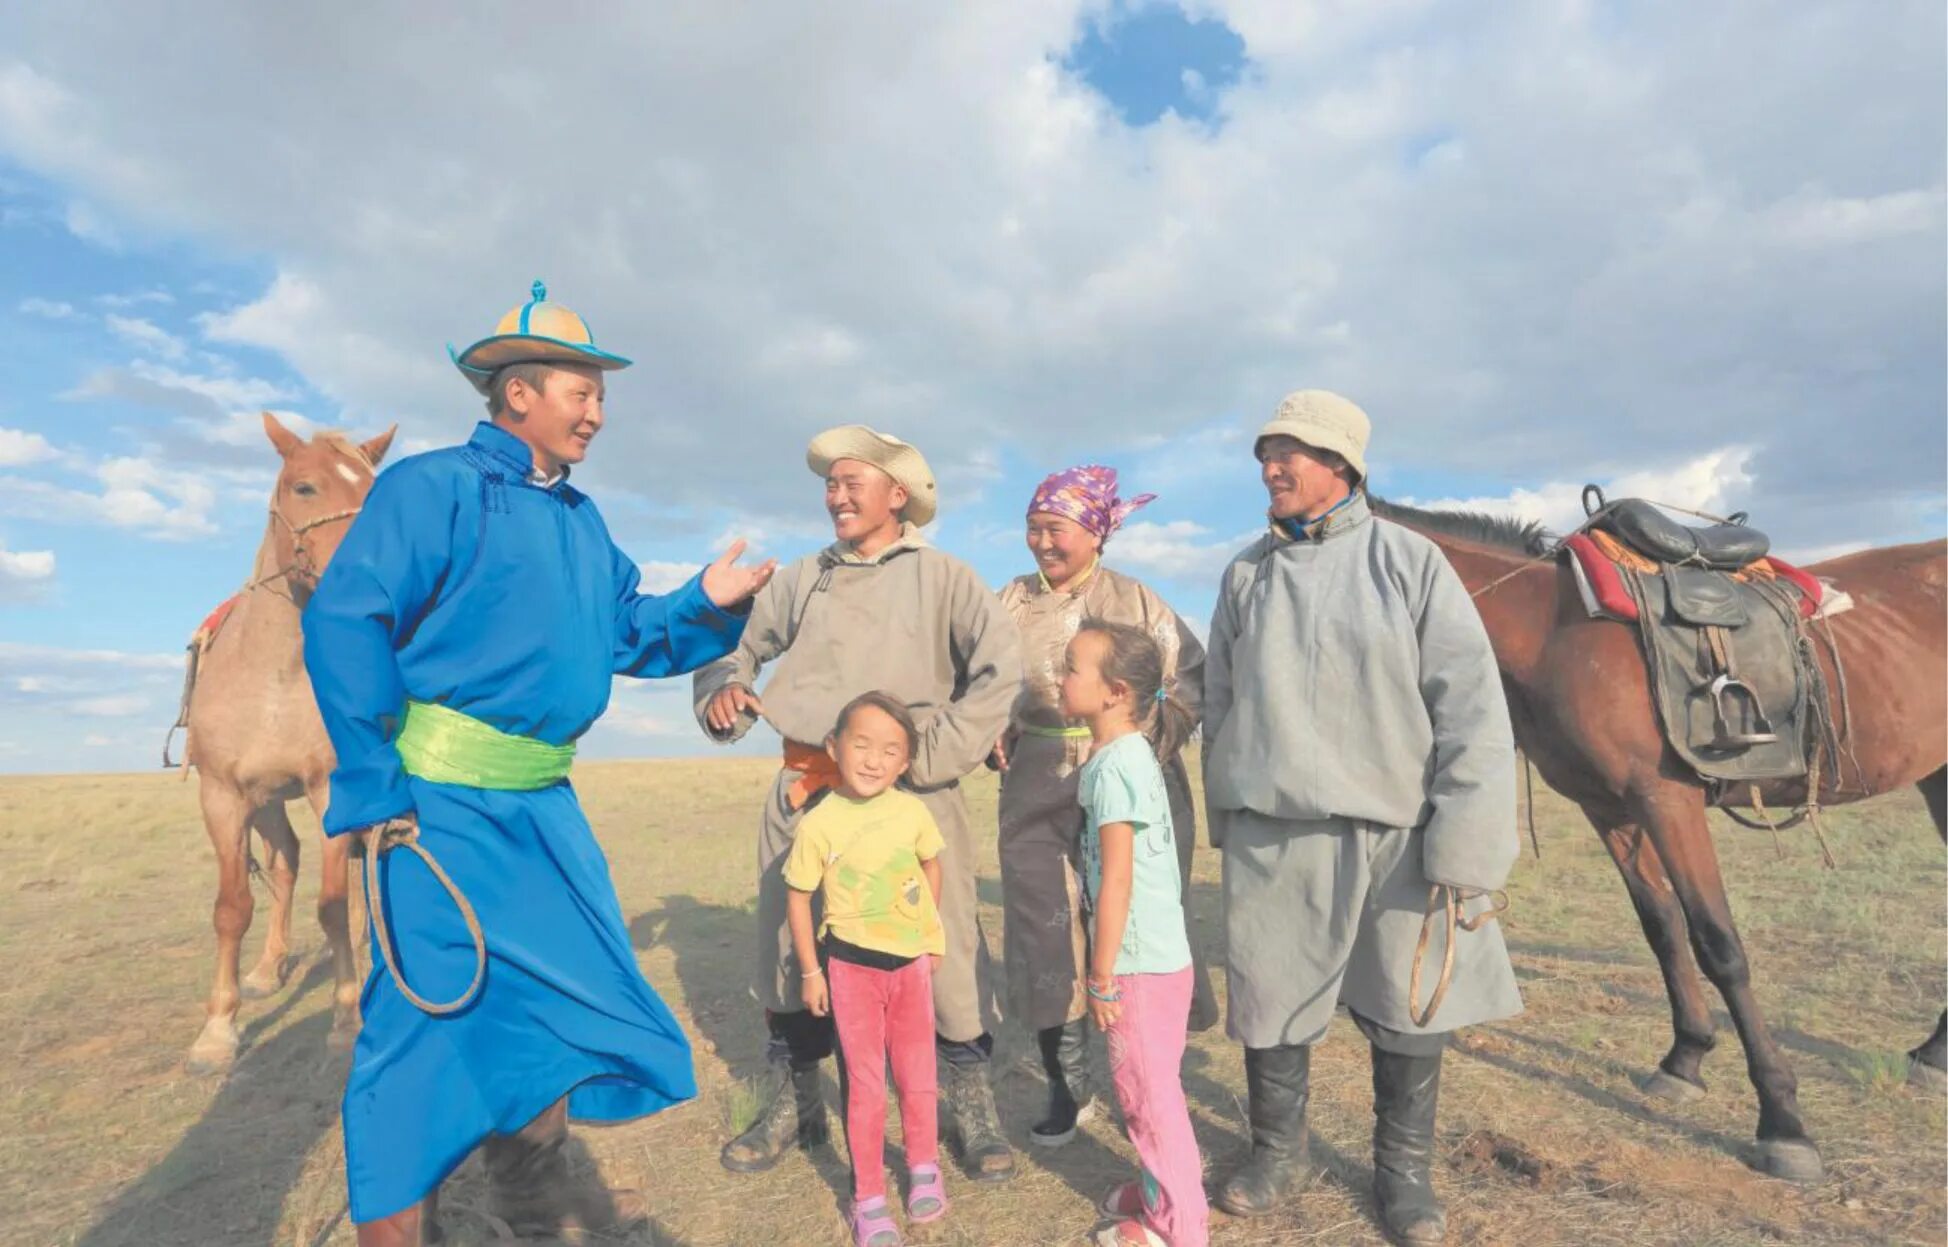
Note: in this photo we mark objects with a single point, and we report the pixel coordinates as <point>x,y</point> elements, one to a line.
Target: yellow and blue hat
<point>537,332</point>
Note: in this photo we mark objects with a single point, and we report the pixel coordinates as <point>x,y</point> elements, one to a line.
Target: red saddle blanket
<point>213,622</point>
<point>1599,574</point>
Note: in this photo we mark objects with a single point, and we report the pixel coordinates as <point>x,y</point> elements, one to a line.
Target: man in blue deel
<point>463,637</point>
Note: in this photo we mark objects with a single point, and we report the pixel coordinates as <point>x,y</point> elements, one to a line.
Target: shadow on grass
<point>713,947</point>
<point>1631,1105</point>
<point>226,1180</point>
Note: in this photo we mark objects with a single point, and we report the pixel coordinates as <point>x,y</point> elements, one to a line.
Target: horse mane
<point>344,445</point>
<point>1506,531</point>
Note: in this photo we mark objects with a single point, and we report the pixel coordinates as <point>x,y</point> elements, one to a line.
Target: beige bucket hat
<point>1322,419</point>
<point>904,463</point>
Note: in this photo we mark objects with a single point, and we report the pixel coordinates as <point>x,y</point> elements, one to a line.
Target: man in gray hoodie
<point>1358,753</point>
<point>877,609</point>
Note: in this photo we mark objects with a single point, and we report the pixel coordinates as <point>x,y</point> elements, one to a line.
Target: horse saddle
<point>1729,669</point>
<point>1722,547</point>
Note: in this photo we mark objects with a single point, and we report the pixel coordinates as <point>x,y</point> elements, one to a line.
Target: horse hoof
<point>1664,1085</point>
<point>1925,1077</point>
<point>1794,1160</point>
<point>266,981</point>
<point>209,1060</point>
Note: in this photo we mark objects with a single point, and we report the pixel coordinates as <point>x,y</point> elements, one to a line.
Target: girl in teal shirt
<point>1139,958</point>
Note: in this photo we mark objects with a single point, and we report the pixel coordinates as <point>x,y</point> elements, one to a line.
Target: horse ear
<point>287,442</point>
<point>375,449</point>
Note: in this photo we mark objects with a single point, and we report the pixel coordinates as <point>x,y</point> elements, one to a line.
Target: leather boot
<point>1405,1089</point>
<point>972,1126</point>
<point>532,1189</point>
<point>1071,1098</point>
<point>793,1114</point>
<point>1276,1082</point>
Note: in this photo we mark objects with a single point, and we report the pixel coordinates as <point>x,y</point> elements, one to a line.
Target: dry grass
<point>105,886</point>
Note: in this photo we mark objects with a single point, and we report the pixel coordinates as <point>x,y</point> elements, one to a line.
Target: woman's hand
<point>998,760</point>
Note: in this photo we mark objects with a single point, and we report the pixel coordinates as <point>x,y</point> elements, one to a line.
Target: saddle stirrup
<point>1761,734</point>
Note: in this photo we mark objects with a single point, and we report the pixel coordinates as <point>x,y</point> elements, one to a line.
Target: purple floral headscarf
<point>1087,495</point>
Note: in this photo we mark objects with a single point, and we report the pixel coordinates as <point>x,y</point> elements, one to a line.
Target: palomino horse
<point>1581,704</point>
<point>256,740</point>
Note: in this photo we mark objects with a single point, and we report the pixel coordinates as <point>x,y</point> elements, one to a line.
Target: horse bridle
<point>300,569</point>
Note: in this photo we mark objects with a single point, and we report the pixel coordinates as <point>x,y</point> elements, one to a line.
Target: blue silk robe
<point>464,583</point>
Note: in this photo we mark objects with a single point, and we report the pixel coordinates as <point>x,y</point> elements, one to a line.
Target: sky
<point>1694,252</point>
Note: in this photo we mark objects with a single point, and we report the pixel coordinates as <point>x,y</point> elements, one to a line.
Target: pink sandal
<point>1123,1202</point>
<point>1129,1234</point>
<point>872,1224</point>
<point>926,1194</point>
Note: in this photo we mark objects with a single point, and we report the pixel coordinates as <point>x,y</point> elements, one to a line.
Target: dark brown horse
<point>1581,704</point>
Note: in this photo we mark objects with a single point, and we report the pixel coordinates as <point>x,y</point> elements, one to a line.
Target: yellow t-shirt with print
<point>865,856</point>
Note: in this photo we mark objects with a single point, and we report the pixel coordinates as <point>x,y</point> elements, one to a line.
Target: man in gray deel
<point>1358,752</point>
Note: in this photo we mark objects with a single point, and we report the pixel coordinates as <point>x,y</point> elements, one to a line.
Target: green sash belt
<point>445,746</point>
<point>1055,733</point>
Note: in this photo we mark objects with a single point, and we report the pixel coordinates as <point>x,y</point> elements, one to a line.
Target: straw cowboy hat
<point>1324,420</point>
<point>905,464</point>
<point>537,332</point>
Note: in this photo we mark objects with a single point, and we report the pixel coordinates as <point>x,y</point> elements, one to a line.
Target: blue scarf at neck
<point>1295,528</point>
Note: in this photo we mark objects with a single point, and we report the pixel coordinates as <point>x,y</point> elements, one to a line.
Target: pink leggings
<point>1146,1047</point>
<point>882,1014</point>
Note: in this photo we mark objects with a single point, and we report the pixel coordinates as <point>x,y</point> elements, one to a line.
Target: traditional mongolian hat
<point>537,332</point>
<point>904,463</point>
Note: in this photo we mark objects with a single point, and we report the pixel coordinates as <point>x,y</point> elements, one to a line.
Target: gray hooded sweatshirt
<point>1349,675</point>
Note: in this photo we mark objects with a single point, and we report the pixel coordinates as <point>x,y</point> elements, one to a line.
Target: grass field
<point>106,883</point>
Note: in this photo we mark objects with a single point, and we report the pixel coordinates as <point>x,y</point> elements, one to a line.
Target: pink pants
<point>1146,1047</point>
<point>885,1014</point>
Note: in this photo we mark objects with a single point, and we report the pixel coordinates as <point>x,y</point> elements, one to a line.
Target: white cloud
<point>664,577</point>
<point>146,336</point>
<point>24,574</point>
<point>135,298</point>
<point>19,448</point>
<point>975,252</point>
<point>52,700</point>
<point>1178,550</point>
<point>16,657</point>
<point>88,224</point>
<point>48,309</point>
<point>135,495</point>
<point>1716,483</point>
<point>1806,556</point>
<point>113,706</point>
<point>1814,219</point>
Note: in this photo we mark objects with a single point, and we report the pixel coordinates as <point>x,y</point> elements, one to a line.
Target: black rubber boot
<point>971,1124</point>
<point>1405,1091</point>
<point>1276,1081</point>
<point>1071,1097</point>
<point>793,1115</point>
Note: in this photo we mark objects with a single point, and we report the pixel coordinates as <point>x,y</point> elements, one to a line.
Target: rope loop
<point>403,833</point>
<point>1442,898</point>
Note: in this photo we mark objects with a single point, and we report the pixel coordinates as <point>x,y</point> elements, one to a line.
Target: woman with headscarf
<point>1071,517</point>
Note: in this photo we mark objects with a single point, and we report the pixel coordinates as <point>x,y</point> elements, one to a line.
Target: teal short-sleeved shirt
<point>1122,783</point>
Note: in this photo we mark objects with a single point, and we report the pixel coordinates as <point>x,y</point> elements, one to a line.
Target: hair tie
<point>1160,694</point>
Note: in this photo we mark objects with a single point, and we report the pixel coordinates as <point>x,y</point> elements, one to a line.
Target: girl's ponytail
<point>1134,659</point>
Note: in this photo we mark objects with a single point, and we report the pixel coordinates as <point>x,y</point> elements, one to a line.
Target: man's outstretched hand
<point>726,584</point>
